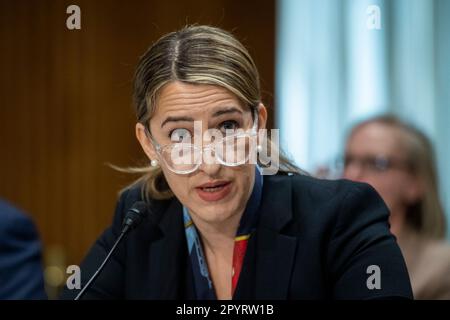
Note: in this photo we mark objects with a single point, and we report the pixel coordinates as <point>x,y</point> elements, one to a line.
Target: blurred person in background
<point>21,274</point>
<point>398,161</point>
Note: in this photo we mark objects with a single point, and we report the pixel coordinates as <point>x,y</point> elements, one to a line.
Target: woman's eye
<point>229,125</point>
<point>180,135</point>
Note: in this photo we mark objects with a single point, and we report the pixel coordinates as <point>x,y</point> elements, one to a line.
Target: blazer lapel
<point>275,257</point>
<point>267,268</point>
<point>167,256</point>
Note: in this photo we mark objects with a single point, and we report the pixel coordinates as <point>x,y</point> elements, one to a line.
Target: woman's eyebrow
<point>190,119</point>
<point>176,119</point>
<point>226,111</point>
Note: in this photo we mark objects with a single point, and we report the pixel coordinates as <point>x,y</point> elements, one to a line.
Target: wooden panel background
<point>65,101</point>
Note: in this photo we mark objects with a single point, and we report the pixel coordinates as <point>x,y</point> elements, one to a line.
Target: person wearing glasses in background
<point>398,161</point>
<point>226,227</point>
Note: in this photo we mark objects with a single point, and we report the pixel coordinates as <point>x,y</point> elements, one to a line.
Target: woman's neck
<point>218,237</point>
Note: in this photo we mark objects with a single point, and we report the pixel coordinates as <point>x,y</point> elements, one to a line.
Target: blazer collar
<point>275,207</point>
<point>276,203</point>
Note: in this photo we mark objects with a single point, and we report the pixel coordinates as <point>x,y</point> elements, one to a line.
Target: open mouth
<point>214,191</point>
<point>214,188</point>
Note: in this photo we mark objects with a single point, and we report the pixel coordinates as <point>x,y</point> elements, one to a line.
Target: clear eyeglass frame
<point>199,151</point>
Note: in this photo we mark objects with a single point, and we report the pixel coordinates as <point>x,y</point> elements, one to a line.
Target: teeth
<point>212,189</point>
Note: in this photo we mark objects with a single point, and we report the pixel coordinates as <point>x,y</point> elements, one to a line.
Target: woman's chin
<point>215,213</point>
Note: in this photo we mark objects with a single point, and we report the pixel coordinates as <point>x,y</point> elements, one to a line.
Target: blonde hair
<point>427,215</point>
<point>195,55</point>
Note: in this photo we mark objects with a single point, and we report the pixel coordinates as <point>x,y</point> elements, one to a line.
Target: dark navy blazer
<point>315,239</point>
<point>21,275</point>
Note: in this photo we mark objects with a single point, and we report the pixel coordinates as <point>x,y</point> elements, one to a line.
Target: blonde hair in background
<point>427,216</point>
<point>195,55</point>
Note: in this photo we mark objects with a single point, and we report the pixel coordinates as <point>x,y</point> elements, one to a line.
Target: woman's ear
<point>141,135</point>
<point>262,116</point>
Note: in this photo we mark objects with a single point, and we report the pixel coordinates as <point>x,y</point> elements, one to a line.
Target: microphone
<point>133,218</point>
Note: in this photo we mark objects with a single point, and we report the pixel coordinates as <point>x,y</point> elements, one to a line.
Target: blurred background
<point>66,108</point>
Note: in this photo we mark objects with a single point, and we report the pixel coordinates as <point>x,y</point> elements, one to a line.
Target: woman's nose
<point>211,169</point>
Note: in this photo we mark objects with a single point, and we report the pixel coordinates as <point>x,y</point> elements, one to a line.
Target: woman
<point>398,161</point>
<point>218,228</point>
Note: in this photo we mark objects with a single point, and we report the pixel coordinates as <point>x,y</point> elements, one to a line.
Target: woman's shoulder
<point>341,226</point>
<point>429,280</point>
<point>320,190</point>
<point>131,195</point>
<point>325,203</point>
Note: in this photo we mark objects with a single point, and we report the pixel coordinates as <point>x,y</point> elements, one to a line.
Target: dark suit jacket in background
<point>21,275</point>
<point>315,240</point>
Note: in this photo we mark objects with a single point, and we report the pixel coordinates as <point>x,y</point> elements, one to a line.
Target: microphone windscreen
<point>136,214</point>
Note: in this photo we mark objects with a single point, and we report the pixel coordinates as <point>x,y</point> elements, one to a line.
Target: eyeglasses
<point>374,163</point>
<point>230,150</point>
